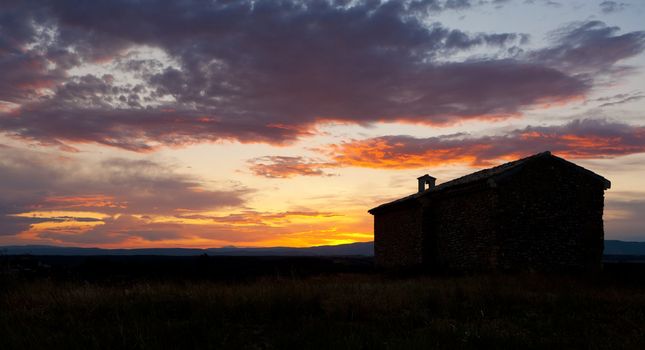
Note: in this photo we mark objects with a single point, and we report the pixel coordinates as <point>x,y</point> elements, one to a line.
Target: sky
<point>280,123</point>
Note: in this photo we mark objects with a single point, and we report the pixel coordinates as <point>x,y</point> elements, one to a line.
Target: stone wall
<point>550,218</point>
<point>544,216</point>
<point>460,233</point>
<point>397,237</point>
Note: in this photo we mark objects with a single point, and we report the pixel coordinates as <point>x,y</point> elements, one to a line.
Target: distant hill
<point>612,247</point>
<point>624,248</point>
<point>352,249</point>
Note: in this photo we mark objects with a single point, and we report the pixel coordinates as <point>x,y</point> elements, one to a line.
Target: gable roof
<point>492,173</point>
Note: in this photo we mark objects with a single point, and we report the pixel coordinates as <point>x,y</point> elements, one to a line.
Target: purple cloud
<point>29,181</point>
<point>268,71</point>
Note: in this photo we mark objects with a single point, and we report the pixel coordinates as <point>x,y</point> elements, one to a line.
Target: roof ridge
<point>504,166</point>
<point>490,172</point>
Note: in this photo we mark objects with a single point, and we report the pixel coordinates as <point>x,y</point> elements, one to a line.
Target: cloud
<point>49,199</point>
<point>285,167</point>
<point>34,182</point>
<point>119,229</point>
<point>252,216</point>
<point>249,228</point>
<point>612,6</point>
<point>586,138</point>
<point>581,139</point>
<point>217,73</point>
<point>620,99</point>
<point>589,48</point>
<point>10,225</point>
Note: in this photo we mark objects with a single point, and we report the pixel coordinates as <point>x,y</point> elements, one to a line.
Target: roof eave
<point>607,184</point>
<point>393,204</point>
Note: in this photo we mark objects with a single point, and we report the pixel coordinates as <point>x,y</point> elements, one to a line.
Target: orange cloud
<point>299,228</point>
<point>251,217</point>
<point>124,203</point>
<point>81,201</point>
<point>392,154</point>
<point>577,139</point>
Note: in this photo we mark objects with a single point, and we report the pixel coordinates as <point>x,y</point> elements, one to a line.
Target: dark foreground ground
<point>308,303</point>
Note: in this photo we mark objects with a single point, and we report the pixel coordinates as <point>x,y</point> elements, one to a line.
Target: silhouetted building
<point>537,213</point>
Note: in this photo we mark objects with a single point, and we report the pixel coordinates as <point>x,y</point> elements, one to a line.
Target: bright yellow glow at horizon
<point>125,141</point>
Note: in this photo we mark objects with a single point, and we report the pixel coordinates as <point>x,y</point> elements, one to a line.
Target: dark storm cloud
<point>269,71</point>
<point>32,181</point>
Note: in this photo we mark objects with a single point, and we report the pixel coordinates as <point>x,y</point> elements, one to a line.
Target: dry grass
<point>341,312</point>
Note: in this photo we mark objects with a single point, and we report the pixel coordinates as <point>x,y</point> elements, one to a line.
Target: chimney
<point>426,180</point>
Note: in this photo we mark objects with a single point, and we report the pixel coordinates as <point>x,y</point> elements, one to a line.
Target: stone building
<point>537,213</point>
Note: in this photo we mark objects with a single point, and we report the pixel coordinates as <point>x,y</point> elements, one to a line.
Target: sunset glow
<point>265,123</point>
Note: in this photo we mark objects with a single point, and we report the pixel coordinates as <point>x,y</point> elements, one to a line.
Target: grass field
<point>339,311</point>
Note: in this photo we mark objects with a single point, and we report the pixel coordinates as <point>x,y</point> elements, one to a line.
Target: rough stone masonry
<point>539,213</point>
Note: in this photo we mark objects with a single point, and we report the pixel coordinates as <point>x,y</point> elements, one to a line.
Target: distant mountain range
<point>612,247</point>
<point>624,248</point>
<point>352,249</point>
